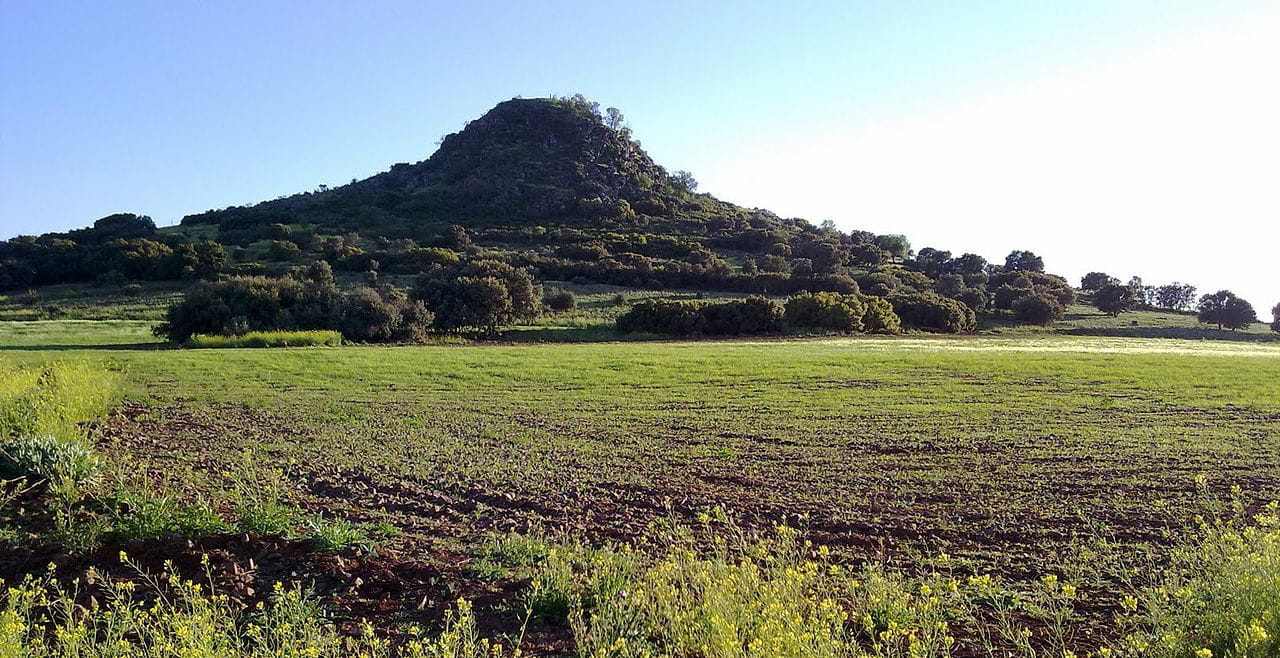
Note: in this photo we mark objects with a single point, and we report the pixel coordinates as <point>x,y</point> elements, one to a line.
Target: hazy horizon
<point>1132,138</point>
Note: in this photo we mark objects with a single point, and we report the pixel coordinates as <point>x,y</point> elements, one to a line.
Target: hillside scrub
<point>756,316</point>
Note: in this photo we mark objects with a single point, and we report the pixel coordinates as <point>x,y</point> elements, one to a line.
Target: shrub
<point>975,298</point>
<point>559,300</point>
<point>879,318</point>
<point>378,316</point>
<point>932,312</point>
<point>1037,309</point>
<point>825,311</point>
<point>483,295</point>
<point>479,303</point>
<point>239,306</point>
<point>282,250</point>
<point>752,317</point>
<point>663,317</point>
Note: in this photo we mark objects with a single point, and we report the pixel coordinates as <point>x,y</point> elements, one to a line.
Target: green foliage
<point>54,399</point>
<point>1219,597</point>
<point>333,535</point>
<point>273,309</point>
<point>1113,299</point>
<point>482,295</point>
<point>826,311</point>
<point>559,301</point>
<point>1023,261</point>
<point>1038,308</point>
<point>753,316</point>
<point>1225,309</point>
<point>139,511</point>
<point>932,312</point>
<point>880,318</point>
<point>312,338</point>
<point>49,459</point>
<point>1095,281</point>
<point>260,495</point>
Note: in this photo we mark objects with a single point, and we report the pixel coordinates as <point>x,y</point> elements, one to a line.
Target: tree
<point>973,268</point>
<point>685,181</point>
<point>1142,294</point>
<point>1023,261</point>
<point>933,262</point>
<point>1225,309</point>
<point>1113,299</point>
<point>1275,318</point>
<point>1095,281</point>
<point>898,246</point>
<point>1175,296</point>
<point>613,118</point>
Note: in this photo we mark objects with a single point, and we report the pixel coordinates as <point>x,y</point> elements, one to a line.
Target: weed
<point>316,338</point>
<point>53,460</point>
<point>334,535</point>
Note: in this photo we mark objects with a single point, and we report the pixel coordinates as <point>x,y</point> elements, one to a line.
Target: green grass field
<point>1009,453</point>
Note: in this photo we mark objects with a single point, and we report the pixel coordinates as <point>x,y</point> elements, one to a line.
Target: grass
<point>316,338</point>
<point>1009,453</point>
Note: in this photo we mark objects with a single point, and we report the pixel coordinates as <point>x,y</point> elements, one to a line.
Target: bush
<point>1037,309</point>
<point>239,306</point>
<point>479,303</point>
<point>975,298</point>
<point>932,312</point>
<point>482,295</point>
<point>663,317</point>
<point>282,250</point>
<point>879,317</point>
<point>752,317</point>
<point>559,300</point>
<point>377,316</point>
<point>825,311</point>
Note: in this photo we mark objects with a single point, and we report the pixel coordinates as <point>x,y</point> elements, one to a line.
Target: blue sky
<point>1129,136</point>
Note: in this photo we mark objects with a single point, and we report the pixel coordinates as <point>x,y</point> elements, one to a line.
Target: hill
<point>552,186</point>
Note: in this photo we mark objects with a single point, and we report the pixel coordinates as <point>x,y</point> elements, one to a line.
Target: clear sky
<point>1129,136</point>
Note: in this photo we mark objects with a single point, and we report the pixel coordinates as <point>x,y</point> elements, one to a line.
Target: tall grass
<point>40,619</point>
<point>316,338</point>
<point>53,400</point>
<point>744,597</point>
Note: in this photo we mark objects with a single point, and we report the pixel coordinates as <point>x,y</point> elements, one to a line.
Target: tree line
<point>1222,308</point>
